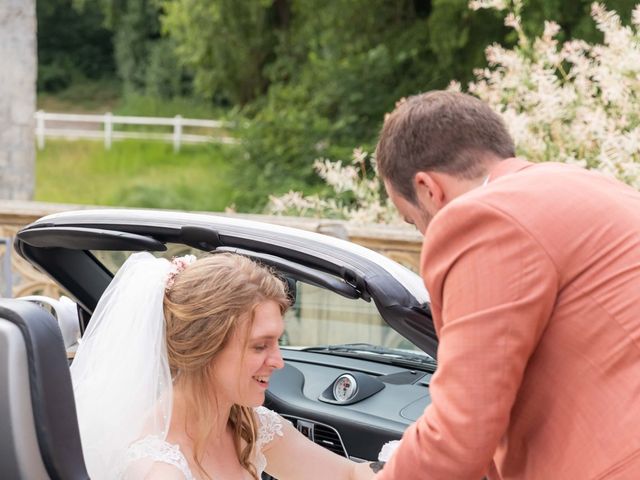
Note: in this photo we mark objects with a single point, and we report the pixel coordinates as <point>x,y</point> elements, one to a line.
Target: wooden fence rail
<point>101,127</point>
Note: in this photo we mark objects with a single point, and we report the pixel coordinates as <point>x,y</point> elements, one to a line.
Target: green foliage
<point>164,77</point>
<point>152,106</point>
<point>280,145</point>
<point>135,32</point>
<point>573,17</point>
<point>304,79</point>
<point>146,60</point>
<point>135,174</point>
<point>72,45</point>
<point>338,67</point>
<point>86,96</point>
<point>227,42</point>
<point>458,37</point>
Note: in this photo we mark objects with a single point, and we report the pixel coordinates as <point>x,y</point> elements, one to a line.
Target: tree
<point>314,78</point>
<point>572,101</point>
<point>73,44</point>
<point>227,43</point>
<point>18,99</point>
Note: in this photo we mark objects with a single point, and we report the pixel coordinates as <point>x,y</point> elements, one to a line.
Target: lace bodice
<point>156,449</point>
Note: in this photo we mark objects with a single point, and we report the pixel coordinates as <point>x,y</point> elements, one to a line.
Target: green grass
<point>144,105</point>
<point>101,96</point>
<point>88,96</point>
<point>135,174</point>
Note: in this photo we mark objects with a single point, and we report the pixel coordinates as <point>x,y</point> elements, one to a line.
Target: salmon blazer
<point>535,287</point>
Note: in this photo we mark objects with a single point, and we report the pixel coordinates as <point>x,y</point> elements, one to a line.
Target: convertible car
<point>359,345</point>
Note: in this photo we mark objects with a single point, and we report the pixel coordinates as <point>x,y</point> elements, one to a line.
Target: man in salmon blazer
<point>534,276</point>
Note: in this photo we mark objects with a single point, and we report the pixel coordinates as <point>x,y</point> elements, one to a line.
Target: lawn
<point>105,96</point>
<point>135,174</point>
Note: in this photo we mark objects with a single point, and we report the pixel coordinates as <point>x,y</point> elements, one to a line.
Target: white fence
<point>101,127</point>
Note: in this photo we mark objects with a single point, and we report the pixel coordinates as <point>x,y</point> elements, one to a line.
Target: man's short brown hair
<point>441,131</point>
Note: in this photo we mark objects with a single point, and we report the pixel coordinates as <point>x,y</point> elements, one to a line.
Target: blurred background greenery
<point>300,79</point>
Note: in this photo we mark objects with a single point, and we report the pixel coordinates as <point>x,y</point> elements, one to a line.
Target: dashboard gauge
<point>344,388</point>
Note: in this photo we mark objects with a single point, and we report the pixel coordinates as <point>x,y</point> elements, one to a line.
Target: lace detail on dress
<point>158,450</point>
<point>270,425</point>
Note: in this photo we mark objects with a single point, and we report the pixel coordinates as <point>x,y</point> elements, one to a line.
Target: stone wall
<point>402,244</point>
<point>17,98</point>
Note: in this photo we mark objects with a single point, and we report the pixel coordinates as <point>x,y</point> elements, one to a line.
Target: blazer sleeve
<point>494,286</point>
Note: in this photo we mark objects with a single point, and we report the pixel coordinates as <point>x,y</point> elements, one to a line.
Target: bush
<point>571,102</point>
<point>357,194</point>
<point>164,77</point>
<point>54,77</point>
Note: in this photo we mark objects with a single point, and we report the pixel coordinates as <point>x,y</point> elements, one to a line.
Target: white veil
<point>121,378</point>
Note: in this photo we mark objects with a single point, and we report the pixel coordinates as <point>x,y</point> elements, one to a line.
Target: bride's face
<point>242,369</point>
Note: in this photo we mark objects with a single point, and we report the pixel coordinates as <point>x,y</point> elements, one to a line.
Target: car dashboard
<point>302,393</point>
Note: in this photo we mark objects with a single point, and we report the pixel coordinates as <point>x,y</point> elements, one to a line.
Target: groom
<point>534,277</point>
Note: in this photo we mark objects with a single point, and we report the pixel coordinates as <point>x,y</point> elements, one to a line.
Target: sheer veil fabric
<point>120,373</point>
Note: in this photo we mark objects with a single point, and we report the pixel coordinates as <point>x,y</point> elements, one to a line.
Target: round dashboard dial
<point>344,388</point>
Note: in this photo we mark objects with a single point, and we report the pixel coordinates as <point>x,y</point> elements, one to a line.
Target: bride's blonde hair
<point>203,308</point>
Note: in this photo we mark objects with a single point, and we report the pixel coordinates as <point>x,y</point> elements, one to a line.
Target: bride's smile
<point>241,371</point>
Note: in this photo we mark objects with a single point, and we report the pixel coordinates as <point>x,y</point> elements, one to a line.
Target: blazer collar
<point>508,166</point>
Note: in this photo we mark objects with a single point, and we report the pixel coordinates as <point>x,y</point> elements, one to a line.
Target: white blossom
<point>495,4</point>
<point>574,102</point>
<point>363,202</point>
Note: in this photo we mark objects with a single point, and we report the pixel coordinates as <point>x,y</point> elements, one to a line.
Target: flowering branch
<point>574,102</point>
<point>358,196</point>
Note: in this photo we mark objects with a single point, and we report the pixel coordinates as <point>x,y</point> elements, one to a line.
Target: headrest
<point>31,347</point>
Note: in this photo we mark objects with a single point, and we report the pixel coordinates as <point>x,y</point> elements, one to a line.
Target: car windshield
<point>318,319</point>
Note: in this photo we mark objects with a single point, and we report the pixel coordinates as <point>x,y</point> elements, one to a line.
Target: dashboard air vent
<point>328,438</point>
<point>324,435</point>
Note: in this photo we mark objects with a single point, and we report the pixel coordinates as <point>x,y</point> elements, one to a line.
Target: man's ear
<point>428,187</point>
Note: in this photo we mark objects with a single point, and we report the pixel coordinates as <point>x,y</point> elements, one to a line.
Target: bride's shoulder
<point>269,425</point>
<point>153,457</point>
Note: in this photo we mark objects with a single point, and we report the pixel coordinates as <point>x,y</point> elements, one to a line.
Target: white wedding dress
<point>154,449</point>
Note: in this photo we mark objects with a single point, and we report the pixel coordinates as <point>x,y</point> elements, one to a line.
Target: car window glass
<point>322,317</point>
<point>318,316</point>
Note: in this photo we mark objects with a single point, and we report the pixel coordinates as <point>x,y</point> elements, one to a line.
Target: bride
<point>171,374</point>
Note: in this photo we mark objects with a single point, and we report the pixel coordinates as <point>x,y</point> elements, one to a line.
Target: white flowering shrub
<point>358,194</point>
<point>573,102</point>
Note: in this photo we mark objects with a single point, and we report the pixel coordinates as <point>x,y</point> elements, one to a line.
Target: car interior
<point>359,346</point>
<point>39,435</point>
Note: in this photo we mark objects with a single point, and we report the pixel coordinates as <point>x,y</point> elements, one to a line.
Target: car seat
<point>39,436</point>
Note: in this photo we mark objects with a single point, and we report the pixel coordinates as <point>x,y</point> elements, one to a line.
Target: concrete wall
<point>17,98</point>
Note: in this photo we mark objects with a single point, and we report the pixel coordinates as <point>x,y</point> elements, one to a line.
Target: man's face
<point>419,214</point>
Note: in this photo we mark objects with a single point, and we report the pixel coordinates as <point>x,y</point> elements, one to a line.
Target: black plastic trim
<point>300,272</point>
<point>82,238</point>
<point>396,304</point>
<point>53,404</point>
<point>290,400</point>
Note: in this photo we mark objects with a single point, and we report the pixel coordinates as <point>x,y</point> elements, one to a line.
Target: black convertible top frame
<point>61,245</point>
